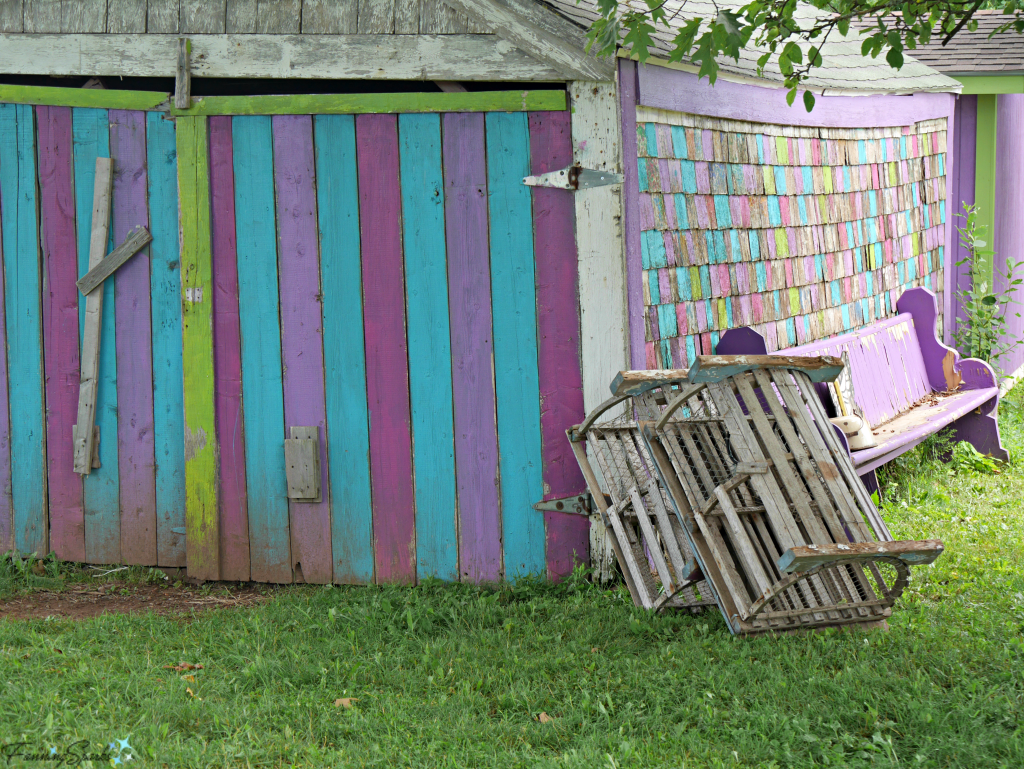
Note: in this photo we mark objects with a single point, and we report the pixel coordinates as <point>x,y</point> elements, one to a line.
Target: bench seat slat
<point>917,424</point>
<point>911,552</point>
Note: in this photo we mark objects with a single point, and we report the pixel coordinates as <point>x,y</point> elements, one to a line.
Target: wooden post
<point>93,315</point>
<point>183,75</point>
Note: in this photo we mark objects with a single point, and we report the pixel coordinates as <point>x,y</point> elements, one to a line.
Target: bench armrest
<point>911,552</point>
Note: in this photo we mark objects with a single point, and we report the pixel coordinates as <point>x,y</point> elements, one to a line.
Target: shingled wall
<point>800,233</point>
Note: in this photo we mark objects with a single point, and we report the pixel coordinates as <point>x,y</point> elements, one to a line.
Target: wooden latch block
<point>95,443</point>
<point>302,464</point>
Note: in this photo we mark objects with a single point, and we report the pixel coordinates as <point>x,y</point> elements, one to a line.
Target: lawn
<point>554,676</point>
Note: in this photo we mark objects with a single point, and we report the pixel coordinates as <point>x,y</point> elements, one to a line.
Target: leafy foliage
<point>984,333</point>
<point>791,33</point>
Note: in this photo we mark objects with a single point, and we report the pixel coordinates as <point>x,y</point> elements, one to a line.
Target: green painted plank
<point>82,97</point>
<point>985,179</point>
<point>201,524</point>
<point>992,84</point>
<point>378,103</point>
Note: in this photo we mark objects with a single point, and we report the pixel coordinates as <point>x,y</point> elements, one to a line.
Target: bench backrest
<point>886,365</point>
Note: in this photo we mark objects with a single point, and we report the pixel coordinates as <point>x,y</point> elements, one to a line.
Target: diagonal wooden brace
<point>106,267</point>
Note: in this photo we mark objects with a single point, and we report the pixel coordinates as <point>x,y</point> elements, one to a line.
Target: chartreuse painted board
<point>91,137</point>
<point>201,523</point>
<point>514,303</point>
<point>22,287</point>
<point>377,103</point>
<point>82,97</point>
<point>344,364</point>
<point>430,365</point>
<point>262,385</point>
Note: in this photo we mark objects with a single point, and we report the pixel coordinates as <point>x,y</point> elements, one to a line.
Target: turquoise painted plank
<point>262,387</point>
<point>168,377</point>
<point>516,378</point>
<point>91,136</point>
<point>348,431</point>
<point>430,361</point>
<point>22,292</point>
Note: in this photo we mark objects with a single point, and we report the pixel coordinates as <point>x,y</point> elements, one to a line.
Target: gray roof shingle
<point>975,53</point>
<point>843,69</point>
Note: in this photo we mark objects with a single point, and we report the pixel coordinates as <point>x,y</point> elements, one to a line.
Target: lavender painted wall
<point>962,151</point>
<point>1009,222</point>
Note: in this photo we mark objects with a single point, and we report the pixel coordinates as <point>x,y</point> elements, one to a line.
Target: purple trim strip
<point>631,199</point>
<point>962,155</point>
<point>670,89</point>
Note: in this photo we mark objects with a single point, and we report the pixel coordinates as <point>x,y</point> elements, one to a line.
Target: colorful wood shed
<point>358,263</point>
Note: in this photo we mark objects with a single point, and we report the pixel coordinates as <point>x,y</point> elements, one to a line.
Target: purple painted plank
<point>60,331</point>
<point>387,365</point>
<point>631,195</point>
<point>227,363</point>
<point>469,299</point>
<point>950,235</point>
<point>964,155</point>
<point>558,342</point>
<point>135,444</point>
<point>1009,227</point>
<point>302,346</point>
<point>671,89</point>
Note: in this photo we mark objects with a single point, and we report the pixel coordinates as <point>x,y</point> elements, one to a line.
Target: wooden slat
<point>469,301</point>
<point>517,383</point>
<point>558,329</point>
<point>60,332</point>
<point>126,16</point>
<point>201,17</point>
<point>668,528</point>
<point>262,389</point>
<point>430,368</point>
<point>653,547</point>
<point>84,16</point>
<point>183,75</point>
<point>301,331</point>
<point>376,17</point>
<point>344,358</point>
<point>202,523</point>
<point>22,290</point>
<point>740,540</point>
<point>227,363</point>
<point>80,97</point>
<point>328,17</point>
<point>162,16</point>
<point>407,17</point>
<point>439,18</point>
<point>715,368</point>
<point>240,17</point>
<point>136,240</point>
<point>12,15</point>
<point>387,370</point>
<point>101,486</point>
<point>278,17</point>
<point>42,15</point>
<point>168,366</point>
<point>136,451</point>
<point>317,57</point>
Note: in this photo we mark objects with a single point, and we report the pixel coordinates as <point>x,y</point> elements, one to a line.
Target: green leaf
<point>895,58</point>
<point>843,25</point>
<point>791,96</point>
<point>808,100</point>
<point>989,300</point>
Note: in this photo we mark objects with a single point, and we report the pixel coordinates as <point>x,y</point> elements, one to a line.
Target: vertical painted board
<point>986,128</point>
<point>558,340</point>
<point>514,302</point>
<point>135,444</point>
<point>60,330</point>
<point>202,553</point>
<point>1009,229</point>
<point>387,367</point>
<point>628,99</point>
<point>302,347</point>
<point>469,297</point>
<point>101,487</point>
<point>227,361</point>
<point>22,291</point>
<point>430,365</point>
<point>348,437</point>
<point>962,191</point>
<point>6,508</point>
<point>262,388</point>
<point>165,286</point>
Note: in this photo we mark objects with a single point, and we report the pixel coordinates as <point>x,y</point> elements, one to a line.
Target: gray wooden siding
<point>314,17</point>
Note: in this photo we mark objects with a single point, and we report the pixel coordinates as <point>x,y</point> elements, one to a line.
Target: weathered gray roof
<point>975,53</point>
<point>844,69</point>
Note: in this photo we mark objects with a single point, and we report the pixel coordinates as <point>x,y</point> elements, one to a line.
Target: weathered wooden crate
<point>781,525</point>
<point>646,534</point>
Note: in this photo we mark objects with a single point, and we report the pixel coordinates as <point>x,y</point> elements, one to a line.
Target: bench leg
<point>870,481</point>
<point>982,432</point>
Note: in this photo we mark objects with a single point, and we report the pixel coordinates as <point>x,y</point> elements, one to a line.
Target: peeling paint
<point>194,442</point>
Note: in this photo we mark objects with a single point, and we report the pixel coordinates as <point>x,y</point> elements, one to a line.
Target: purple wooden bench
<point>907,383</point>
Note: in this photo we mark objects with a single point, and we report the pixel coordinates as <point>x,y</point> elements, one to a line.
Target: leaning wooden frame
<point>645,533</point>
<point>772,508</point>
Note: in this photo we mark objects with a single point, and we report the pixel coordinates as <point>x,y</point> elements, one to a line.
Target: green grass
<point>451,675</point>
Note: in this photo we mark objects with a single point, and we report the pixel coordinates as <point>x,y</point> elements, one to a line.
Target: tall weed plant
<point>984,331</point>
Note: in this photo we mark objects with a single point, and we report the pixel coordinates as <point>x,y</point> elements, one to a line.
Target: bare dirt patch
<point>84,601</point>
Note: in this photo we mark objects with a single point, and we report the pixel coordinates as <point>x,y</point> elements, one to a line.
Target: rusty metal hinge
<point>573,178</point>
<point>582,504</point>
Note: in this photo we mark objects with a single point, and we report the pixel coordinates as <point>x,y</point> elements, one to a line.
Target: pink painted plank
<point>387,366</point>
<point>558,331</point>
<point>227,363</point>
<point>302,347</point>
<point>60,330</point>
<point>135,444</point>
<point>469,299</point>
